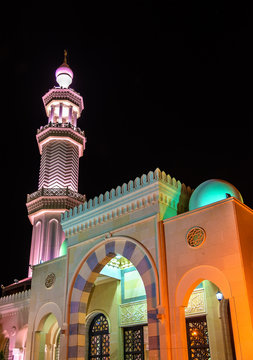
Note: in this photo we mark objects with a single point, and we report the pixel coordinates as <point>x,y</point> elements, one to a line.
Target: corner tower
<point>60,143</point>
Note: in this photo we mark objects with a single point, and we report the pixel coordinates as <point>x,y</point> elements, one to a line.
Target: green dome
<point>211,191</point>
<point>64,248</point>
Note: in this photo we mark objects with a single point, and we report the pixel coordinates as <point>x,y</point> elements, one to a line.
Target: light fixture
<point>219,295</point>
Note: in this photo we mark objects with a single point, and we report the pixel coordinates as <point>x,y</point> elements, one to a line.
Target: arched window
<point>99,339</point>
<point>53,225</point>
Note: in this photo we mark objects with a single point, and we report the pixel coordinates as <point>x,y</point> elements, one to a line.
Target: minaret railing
<point>55,192</point>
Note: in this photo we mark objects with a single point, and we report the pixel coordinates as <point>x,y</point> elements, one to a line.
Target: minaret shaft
<point>59,165</point>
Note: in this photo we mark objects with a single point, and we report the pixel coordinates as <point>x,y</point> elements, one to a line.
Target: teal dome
<point>64,248</point>
<point>211,191</point>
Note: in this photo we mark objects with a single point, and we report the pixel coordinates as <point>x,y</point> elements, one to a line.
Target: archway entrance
<point>125,293</point>
<point>47,339</point>
<point>208,324</point>
<point>116,322</point>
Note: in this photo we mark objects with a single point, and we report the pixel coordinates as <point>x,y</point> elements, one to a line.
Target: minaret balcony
<point>61,131</point>
<point>52,199</point>
<point>59,94</point>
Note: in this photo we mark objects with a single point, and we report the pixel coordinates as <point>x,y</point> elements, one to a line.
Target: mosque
<point>149,270</point>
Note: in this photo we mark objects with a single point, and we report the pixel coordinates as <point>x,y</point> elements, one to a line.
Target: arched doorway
<point>118,295</point>
<point>208,324</point>
<point>47,339</point>
<point>204,321</point>
<point>84,287</point>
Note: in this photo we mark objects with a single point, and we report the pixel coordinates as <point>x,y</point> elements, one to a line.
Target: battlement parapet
<point>19,296</point>
<point>174,188</point>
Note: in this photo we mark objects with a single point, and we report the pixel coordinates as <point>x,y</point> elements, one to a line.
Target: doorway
<point>197,338</point>
<point>133,343</point>
<point>208,324</point>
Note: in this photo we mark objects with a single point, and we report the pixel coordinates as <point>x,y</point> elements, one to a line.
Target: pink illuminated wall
<point>47,238</point>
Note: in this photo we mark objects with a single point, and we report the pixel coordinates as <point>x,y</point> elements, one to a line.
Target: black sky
<point>162,87</point>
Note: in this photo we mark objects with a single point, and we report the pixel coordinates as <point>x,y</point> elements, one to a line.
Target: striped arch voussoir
<point>84,281</point>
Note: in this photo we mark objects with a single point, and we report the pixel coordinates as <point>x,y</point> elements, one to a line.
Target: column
<point>70,114</point>
<point>75,119</point>
<point>60,113</point>
<point>51,116</point>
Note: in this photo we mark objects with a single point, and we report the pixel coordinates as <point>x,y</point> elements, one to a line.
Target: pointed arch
<point>45,310</point>
<point>194,276</point>
<point>86,274</point>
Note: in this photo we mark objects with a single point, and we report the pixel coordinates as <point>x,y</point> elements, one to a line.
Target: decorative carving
<point>133,313</point>
<point>53,198</point>
<point>196,304</point>
<point>56,131</point>
<point>60,125</point>
<point>195,236</point>
<point>55,192</point>
<point>50,280</point>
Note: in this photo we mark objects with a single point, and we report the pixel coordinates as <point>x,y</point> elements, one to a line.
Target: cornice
<point>51,132</point>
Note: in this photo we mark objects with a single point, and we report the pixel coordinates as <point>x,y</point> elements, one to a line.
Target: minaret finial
<point>64,74</point>
<point>65,56</point>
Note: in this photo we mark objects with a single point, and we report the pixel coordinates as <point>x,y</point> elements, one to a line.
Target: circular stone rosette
<point>50,280</point>
<point>196,236</point>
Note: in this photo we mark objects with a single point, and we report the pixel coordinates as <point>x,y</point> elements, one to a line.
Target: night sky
<point>162,87</point>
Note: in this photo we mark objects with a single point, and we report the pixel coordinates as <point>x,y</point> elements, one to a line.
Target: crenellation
<point>112,194</point>
<point>118,191</point>
<point>15,297</point>
<point>131,186</point>
<point>137,183</point>
<point>124,189</point>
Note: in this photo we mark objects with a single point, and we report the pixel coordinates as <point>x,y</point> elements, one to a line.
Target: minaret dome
<point>64,75</point>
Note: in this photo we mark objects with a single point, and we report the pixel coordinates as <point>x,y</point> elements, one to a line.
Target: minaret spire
<point>61,143</point>
<point>65,57</point>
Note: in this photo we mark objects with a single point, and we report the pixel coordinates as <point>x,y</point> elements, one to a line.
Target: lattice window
<point>99,339</point>
<point>196,236</point>
<point>133,343</point>
<point>197,338</point>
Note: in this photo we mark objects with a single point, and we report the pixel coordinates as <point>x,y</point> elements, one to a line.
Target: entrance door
<point>99,339</point>
<point>133,343</point>
<point>197,338</point>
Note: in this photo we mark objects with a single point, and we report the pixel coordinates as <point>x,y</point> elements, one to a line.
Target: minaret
<point>60,143</point>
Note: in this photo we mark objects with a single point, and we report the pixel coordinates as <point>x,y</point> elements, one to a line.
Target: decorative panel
<point>196,304</point>
<point>133,313</point>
